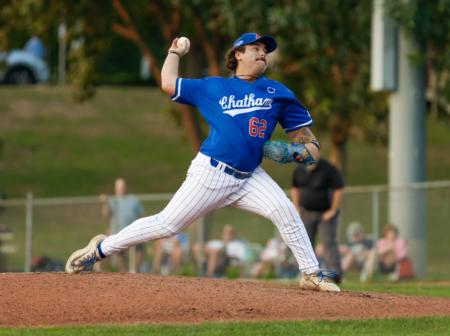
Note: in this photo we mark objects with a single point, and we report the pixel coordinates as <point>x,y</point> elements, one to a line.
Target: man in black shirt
<point>317,194</point>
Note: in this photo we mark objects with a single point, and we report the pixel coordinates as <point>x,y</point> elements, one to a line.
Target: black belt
<point>231,171</point>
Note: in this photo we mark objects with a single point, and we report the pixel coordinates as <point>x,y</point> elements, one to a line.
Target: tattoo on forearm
<point>303,135</point>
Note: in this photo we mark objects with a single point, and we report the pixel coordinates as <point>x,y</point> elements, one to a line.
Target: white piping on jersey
<point>298,126</point>
<point>245,105</point>
<point>178,89</point>
<point>242,111</point>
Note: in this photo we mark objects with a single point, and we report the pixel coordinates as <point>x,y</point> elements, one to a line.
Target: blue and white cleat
<point>321,281</point>
<point>85,258</point>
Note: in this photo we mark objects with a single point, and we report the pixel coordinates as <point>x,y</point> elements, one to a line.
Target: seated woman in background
<point>392,253</point>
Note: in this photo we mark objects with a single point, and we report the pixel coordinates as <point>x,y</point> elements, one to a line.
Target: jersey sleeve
<point>188,91</point>
<point>294,115</point>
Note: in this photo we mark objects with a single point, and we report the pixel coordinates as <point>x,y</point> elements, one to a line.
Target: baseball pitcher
<point>242,112</point>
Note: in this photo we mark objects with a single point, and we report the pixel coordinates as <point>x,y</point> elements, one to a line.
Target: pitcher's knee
<point>166,230</point>
<point>156,227</point>
<point>283,213</point>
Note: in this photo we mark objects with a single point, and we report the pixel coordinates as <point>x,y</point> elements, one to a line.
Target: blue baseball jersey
<point>241,115</point>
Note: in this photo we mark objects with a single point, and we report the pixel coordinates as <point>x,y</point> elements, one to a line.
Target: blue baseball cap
<point>250,38</point>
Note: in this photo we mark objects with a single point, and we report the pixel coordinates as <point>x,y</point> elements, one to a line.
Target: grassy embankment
<point>55,147</point>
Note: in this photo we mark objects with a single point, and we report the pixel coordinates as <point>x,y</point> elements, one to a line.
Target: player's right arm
<point>169,72</point>
<point>295,119</point>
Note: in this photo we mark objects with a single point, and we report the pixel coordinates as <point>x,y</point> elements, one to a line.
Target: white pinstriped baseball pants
<point>207,188</point>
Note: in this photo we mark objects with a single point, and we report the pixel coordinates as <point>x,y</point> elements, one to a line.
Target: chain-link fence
<point>33,231</point>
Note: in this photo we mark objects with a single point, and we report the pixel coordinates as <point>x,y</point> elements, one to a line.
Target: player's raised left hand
<point>180,46</point>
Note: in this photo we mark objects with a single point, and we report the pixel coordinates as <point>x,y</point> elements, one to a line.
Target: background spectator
<point>221,254</point>
<point>359,251</point>
<point>169,253</point>
<point>35,46</point>
<point>276,258</point>
<point>46,264</point>
<point>317,194</point>
<point>392,253</point>
<point>122,209</point>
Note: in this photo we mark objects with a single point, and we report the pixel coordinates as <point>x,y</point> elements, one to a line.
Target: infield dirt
<point>51,299</point>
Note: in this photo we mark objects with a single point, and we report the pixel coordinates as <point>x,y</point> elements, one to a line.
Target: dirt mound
<point>44,299</point>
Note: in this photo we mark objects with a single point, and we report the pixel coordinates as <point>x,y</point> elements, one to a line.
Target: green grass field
<point>419,326</point>
<point>55,147</point>
<point>421,288</point>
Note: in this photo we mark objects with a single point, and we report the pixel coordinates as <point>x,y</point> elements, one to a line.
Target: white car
<point>21,67</point>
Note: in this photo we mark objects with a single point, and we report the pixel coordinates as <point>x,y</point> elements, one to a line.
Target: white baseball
<point>184,43</point>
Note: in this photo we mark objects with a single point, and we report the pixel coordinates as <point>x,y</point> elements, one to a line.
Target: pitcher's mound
<point>44,299</point>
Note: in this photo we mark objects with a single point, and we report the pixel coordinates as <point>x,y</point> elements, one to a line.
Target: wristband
<point>315,143</point>
<point>174,52</point>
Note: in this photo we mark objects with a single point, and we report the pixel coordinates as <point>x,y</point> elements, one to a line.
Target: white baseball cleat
<point>85,258</point>
<point>319,281</point>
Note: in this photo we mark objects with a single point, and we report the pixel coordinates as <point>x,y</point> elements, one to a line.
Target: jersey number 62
<point>257,127</point>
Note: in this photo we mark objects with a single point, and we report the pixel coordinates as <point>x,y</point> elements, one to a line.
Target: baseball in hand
<point>184,43</point>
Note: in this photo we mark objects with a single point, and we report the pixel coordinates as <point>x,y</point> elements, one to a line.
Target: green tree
<point>428,22</point>
<point>150,25</point>
<point>325,58</point>
<point>89,27</point>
